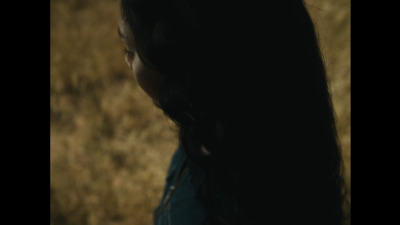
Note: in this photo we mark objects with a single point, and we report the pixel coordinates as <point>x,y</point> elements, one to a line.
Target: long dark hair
<point>246,82</point>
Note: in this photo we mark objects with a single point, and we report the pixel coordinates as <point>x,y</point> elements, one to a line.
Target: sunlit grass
<point>110,147</point>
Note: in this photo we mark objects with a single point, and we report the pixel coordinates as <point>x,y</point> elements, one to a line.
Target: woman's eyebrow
<point>121,35</point>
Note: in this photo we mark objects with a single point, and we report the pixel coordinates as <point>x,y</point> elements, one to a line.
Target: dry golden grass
<point>110,147</point>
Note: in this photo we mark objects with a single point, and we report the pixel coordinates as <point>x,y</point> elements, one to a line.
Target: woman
<point>246,85</point>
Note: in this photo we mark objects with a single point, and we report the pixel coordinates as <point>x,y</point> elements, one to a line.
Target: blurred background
<point>110,147</point>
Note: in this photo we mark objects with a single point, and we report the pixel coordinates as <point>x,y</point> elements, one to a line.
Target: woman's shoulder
<point>176,161</point>
<point>184,207</point>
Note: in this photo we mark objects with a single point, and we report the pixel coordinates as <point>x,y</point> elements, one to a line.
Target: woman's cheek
<point>147,79</point>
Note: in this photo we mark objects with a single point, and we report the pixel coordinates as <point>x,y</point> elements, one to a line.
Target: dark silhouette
<point>246,84</point>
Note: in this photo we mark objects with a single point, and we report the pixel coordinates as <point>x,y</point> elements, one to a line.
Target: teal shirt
<point>179,205</point>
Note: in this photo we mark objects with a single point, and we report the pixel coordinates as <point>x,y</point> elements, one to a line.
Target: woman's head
<point>246,82</point>
<point>168,41</point>
<point>215,63</point>
<point>148,79</point>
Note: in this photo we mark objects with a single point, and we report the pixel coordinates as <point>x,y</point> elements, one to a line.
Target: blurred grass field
<point>110,147</point>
